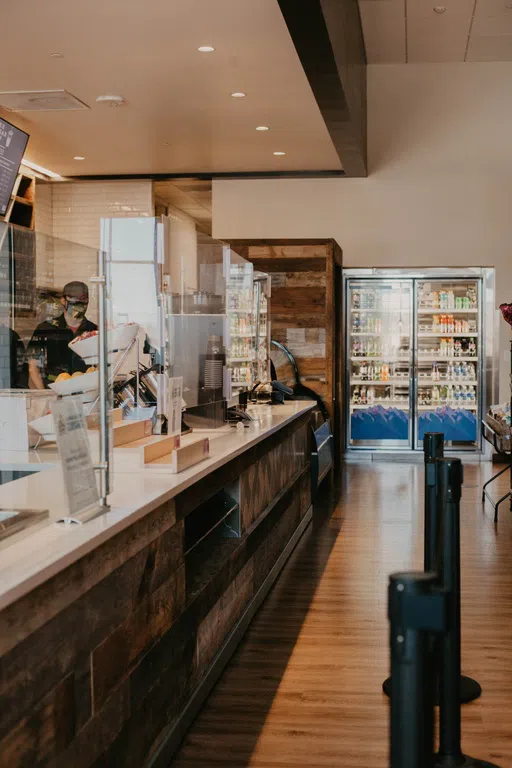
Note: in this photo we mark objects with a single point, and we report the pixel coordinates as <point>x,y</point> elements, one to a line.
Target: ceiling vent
<point>40,101</point>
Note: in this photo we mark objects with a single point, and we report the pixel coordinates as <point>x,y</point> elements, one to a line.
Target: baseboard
<point>177,731</point>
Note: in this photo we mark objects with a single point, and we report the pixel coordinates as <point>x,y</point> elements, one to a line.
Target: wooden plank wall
<point>98,662</point>
<point>302,309</point>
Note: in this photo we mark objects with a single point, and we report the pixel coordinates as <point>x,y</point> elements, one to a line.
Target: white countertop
<point>29,558</point>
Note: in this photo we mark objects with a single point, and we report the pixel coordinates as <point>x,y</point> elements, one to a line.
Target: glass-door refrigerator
<point>416,357</point>
<point>448,360</point>
<point>379,343</point>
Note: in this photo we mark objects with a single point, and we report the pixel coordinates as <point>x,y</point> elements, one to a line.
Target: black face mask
<point>76,310</point>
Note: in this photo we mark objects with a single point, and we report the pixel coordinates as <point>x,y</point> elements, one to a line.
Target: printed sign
<point>174,401</point>
<point>13,424</point>
<point>75,454</point>
<point>12,148</point>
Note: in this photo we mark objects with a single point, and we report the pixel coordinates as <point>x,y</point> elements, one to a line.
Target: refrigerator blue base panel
<point>456,424</point>
<point>378,423</point>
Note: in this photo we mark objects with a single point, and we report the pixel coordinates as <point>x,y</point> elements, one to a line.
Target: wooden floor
<point>304,688</point>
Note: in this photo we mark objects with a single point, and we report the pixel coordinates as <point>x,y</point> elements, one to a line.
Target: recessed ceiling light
<point>78,157</point>
<point>262,128</point>
<point>439,8</point>
<point>238,95</point>
<point>279,153</point>
<point>206,48</point>
<point>56,55</point>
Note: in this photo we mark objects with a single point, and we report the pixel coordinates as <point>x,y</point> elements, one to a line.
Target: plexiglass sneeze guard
<point>52,329</point>
<point>185,292</point>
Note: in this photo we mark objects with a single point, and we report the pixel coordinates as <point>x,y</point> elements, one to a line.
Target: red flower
<point>506,311</point>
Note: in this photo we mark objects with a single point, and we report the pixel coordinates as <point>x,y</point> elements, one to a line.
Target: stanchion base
<point>467,762</point>
<point>469,689</point>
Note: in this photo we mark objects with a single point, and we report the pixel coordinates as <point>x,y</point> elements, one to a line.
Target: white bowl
<point>122,336</point>
<point>44,425</point>
<point>85,348</point>
<point>86,383</point>
<point>119,339</point>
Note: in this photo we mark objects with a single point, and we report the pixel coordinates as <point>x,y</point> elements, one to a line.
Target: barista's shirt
<point>49,346</point>
<point>12,358</point>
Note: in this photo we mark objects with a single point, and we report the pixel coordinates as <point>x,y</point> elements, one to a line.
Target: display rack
<point>502,444</point>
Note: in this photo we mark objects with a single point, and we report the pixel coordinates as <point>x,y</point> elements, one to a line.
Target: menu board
<point>13,143</point>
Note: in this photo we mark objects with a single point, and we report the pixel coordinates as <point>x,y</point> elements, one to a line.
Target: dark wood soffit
<point>328,37</point>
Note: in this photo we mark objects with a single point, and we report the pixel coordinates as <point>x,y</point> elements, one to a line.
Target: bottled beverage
<point>435,394</point>
<point>356,300</point>
<point>457,348</point>
<point>472,348</point>
<point>435,324</point>
<point>356,397</point>
<point>471,372</point>
<point>371,394</point>
<point>377,373</point>
<point>472,395</point>
<point>371,372</point>
<point>456,394</point>
<point>363,396</point>
<point>458,302</point>
<point>378,325</point>
<point>435,300</point>
<point>451,300</point>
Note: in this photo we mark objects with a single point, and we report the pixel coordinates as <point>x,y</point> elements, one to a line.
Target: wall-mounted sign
<point>13,143</point>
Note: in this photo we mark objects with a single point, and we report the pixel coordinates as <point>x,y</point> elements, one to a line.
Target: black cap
<point>77,291</point>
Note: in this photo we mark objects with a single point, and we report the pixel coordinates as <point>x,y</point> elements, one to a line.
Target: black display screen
<point>13,143</point>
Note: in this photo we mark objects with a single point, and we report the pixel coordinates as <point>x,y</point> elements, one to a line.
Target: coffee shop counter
<point>113,632</point>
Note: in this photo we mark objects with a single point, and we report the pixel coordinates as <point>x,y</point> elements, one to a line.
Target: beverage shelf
<point>436,310</point>
<point>381,359</point>
<point>450,403</point>
<point>442,359</point>
<point>443,382</point>
<point>382,382</point>
<point>242,359</point>
<point>379,334</point>
<point>400,404</point>
<point>447,335</point>
<point>382,310</point>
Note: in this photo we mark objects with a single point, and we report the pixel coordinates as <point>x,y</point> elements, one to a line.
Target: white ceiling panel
<point>434,37</point>
<point>384,30</point>
<point>492,18</point>
<point>497,48</point>
<point>457,11</point>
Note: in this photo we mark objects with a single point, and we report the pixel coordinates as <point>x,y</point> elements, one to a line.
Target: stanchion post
<point>415,609</point>
<point>433,449</point>
<point>450,490</point>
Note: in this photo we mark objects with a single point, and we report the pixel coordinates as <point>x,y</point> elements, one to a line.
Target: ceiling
<point>179,116</point>
<point>411,30</point>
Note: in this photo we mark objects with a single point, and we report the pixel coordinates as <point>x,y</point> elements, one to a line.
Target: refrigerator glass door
<point>379,342</point>
<point>448,344</point>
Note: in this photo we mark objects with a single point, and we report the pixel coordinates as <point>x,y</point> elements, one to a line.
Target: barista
<point>48,352</point>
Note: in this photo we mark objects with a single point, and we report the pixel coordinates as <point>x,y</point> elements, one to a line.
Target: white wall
<point>440,184</point>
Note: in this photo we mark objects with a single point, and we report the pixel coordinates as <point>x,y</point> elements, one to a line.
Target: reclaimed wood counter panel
<point>113,677</point>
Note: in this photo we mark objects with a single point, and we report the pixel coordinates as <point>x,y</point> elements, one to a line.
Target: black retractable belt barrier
<point>416,608</point>
<point>450,752</point>
<point>433,449</point>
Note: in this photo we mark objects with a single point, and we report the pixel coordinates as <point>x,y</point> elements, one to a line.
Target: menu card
<point>13,143</point>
